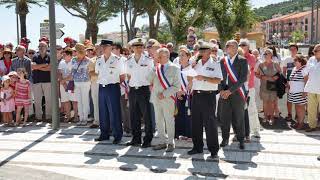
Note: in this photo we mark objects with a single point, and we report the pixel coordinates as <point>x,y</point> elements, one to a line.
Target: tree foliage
<point>285,7</point>
<point>93,12</point>
<point>229,16</point>
<point>297,36</point>
<point>22,9</point>
<point>181,14</point>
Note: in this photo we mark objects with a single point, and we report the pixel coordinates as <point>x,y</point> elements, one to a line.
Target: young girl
<point>22,95</point>
<point>7,101</point>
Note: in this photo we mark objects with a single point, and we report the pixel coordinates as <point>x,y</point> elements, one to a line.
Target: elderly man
<point>205,85</point>
<point>21,61</point>
<point>166,83</point>
<point>41,81</point>
<point>312,73</point>
<point>233,93</point>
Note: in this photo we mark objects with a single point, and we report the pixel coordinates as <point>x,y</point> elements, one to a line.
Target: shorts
<point>66,96</point>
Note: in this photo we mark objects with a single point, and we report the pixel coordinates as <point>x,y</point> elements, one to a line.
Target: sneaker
<point>159,147</point>
<point>170,148</point>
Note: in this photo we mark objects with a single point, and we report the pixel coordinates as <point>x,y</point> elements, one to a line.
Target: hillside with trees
<point>285,7</point>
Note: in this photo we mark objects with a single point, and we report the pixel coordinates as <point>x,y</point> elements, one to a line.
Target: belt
<point>106,85</point>
<point>203,92</point>
<point>139,87</point>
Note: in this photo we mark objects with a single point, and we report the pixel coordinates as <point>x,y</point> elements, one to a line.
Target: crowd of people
<point>174,95</point>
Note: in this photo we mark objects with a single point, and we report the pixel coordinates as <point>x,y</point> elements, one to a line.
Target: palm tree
<point>22,9</point>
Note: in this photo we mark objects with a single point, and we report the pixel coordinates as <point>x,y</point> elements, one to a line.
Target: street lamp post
<point>53,64</point>
<point>17,19</point>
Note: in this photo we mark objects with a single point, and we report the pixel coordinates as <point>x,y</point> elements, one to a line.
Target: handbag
<point>70,85</point>
<point>271,85</point>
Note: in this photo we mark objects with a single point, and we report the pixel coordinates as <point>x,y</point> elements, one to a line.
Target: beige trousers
<point>313,103</point>
<point>39,90</point>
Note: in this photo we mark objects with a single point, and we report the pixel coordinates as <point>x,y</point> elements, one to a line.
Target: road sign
<point>44,30</point>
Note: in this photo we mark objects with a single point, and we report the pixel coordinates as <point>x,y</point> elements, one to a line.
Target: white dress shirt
<point>313,85</point>
<point>109,70</point>
<point>211,69</point>
<point>139,71</point>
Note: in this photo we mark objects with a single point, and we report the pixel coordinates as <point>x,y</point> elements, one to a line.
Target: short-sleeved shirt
<point>251,62</point>
<point>24,62</point>
<point>296,80</point>
<point>65,68</point>
<point>41,76</point>
<point>313,85</point>
<point>80,70</point>
<point>139,71</point>
<point>109,70</point>
<point>210,69</point>
<point>289,64</point>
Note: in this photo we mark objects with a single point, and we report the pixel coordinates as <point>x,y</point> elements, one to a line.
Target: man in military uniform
<point>138,68</point>
<point>110,71</point>
<point>205,85</point>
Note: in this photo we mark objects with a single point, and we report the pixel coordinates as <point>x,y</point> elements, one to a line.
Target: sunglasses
<point>7,53</point>
<point>242,45</point>
<point>214,50</point>
<point>190,40</point>
<point>31,52</point>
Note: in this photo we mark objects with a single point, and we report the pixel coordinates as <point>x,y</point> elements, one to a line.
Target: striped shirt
<point>22,93</point>
<point>24,62</point>
<point>296,80</point>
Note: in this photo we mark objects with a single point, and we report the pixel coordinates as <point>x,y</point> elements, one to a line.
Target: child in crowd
<point>7,101</point>
<point>22,95</point>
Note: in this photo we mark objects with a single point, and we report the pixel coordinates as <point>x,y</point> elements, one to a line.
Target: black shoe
<point>241,145</point>
<point>101,139</point>
<point>224,143</point>
<point>214,156</point>
<point>194,151</point>
<point>318,158</point>
<point>133,143</point>
<point>94,126</point>
<point>116,141</point>
<point>146,145</point>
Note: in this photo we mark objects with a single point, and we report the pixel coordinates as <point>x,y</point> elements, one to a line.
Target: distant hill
<point>282,8</point>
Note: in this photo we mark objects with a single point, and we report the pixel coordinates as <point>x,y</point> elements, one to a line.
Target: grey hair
<point>245,41</point>
<point>164,50</point>
<point>214,41</point>
<point>19,47</point>
<point>316,47</point>
<point>255,50</point>
<point>234,42</point>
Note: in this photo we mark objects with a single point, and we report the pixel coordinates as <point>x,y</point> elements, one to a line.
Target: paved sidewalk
<point>36,152</point>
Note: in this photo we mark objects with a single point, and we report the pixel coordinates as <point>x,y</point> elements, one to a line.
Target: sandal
<point>289,117</point>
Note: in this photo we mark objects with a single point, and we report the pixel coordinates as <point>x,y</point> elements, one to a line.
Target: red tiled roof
<point>288,16</point>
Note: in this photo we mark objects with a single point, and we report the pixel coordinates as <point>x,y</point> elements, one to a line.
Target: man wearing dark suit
<point>232,100</point>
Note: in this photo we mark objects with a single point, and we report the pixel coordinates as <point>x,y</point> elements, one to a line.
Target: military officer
<point>111,73</point>
<point>205,85</point>
<point>138,68</point>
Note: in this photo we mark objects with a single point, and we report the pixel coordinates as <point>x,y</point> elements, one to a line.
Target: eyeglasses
<point>190,40</point>
<point>242,45</point>
<point>31,52</point>
<point>214,50</point>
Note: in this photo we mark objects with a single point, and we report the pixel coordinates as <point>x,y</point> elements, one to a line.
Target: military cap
<point>106,42</point>
<point>137,42</point>
<point>153,43</point>
<point>205,45</point>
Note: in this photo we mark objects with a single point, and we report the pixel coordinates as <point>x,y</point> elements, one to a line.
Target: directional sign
<point>45,30</point>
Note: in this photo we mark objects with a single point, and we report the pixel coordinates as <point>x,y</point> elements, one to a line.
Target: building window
<point>305,28</point>
<point>306,21</point>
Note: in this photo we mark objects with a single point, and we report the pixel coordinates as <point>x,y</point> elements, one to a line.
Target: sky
<point>73,25</point>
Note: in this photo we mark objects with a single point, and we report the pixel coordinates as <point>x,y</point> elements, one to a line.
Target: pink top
<point>22,93</point>
<point>252,63</point>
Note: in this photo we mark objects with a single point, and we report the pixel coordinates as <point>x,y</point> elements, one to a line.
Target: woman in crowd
<point>183,117</point>
<point>67,95</point>
<point>5,62</point>
<point>296,95</point>
<point>80,75</point>
<point>266,73</point>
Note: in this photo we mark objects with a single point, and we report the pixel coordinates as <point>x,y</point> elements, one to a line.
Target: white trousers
<point>253,113</point>
<point>164,116</point>
<point>95,100</point>
<point>82,95</point>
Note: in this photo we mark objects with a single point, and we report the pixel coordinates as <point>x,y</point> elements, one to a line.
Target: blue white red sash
<point>231,73</point>
<point>163,79</point>
<point>125,85</point>
<point>185,89</point>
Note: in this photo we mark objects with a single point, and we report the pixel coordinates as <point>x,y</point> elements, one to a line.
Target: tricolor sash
<point>163,79</point>
<point>124,84</point>
<point>231,73</point>
<point>185,89</point>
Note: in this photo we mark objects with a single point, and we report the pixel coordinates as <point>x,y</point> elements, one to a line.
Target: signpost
<point>45,30</point>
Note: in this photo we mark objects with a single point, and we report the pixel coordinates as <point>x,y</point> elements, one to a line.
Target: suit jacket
<point>172,73</point>
<point>240,66</point>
